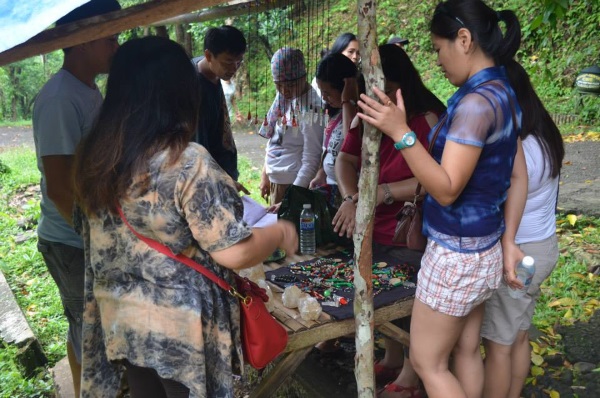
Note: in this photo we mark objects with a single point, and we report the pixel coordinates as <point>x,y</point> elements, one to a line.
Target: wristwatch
<point>388,199</point>
<point>349,197</point>
<point>409,139</point>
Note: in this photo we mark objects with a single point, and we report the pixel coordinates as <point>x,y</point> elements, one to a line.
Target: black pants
<point>146,383</point>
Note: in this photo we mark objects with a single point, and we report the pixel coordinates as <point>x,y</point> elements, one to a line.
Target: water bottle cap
<point>527,261</point>
<point>306,206</point>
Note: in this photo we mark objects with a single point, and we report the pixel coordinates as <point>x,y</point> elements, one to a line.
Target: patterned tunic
<point>142,306</point>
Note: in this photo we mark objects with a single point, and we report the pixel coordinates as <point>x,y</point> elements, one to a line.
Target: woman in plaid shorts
<point>467,179</point>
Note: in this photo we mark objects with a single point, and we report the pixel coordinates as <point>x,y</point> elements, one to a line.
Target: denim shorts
<point>455,283</point>
<point>506,316</point>
<point>67,267</point>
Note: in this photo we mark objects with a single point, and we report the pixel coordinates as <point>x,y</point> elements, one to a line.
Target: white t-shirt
<point>333,149</point>
<point>229,92</point>
<point>538,222</point>
<point>293,155</point>
<point>64,112</point>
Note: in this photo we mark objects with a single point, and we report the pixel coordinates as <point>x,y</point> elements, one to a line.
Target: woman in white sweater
<point>294,150</point>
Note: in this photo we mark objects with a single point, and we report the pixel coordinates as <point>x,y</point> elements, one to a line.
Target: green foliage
<point>559,40</point>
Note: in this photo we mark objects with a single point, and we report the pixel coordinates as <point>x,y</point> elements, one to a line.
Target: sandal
<point>391,389</point>
<point>385,375</point>
<point>328,346</point>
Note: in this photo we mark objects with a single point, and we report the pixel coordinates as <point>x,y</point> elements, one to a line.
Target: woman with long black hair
<point>176,332</point>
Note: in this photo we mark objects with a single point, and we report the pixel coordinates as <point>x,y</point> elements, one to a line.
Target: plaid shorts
<point>455,283</point>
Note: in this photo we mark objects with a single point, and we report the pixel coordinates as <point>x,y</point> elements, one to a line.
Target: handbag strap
<point>429,150</point>
<point>159,247</point>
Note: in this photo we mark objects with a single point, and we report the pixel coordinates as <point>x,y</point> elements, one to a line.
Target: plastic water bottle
<point>307,230</point>
<point>525,271</point>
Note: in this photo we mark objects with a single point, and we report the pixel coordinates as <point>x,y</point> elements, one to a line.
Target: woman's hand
<point>241,188</point>
<point>274,208</point>
<point>390,119</point>
<point>344,220</point>
<point>320,179</point>
<point>265,186</point>
<point>511,256</point>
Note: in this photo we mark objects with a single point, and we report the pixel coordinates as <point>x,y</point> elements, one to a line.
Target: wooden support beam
<point>102,26</point>
<point>277,376</point>
<point>395,333</point>
<point>245,8</point>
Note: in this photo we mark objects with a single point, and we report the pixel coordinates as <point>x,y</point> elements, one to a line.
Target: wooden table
<point>303,335</point>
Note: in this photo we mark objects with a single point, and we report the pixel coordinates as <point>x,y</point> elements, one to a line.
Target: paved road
<point>579,191</point>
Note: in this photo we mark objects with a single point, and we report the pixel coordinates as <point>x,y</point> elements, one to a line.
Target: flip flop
<point>391,389</point>
<point>385,375</point>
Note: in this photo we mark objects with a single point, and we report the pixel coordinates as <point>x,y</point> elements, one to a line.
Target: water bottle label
<point>307,225</point>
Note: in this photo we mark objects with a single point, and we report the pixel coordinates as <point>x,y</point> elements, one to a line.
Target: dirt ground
<point>579,193</point>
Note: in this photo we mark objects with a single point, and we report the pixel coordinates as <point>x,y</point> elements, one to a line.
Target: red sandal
<point>385,375</point>
<point>415,391</point>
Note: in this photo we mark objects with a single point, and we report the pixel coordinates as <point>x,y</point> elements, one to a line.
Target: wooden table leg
<point>282,370</point>
<point>392,331</point>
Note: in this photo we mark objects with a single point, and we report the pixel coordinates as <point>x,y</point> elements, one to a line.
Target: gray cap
<point>397,40</point>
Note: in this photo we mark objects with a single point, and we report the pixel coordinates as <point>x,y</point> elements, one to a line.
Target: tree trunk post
<point>367,188</point>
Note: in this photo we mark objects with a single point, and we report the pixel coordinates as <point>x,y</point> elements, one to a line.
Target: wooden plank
<point>395,333</point>
<point>278,375</point>
<point>310,337</point>
<point>102,26</point>
<point>287,320</point>
<point>244,8</point>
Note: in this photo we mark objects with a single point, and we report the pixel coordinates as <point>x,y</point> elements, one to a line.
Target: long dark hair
<point>334,68</point>
<point>536,120</point>
<point>398,68</point>
<point>151,104</point>
<point>482,22</point>
<point>342,42</point>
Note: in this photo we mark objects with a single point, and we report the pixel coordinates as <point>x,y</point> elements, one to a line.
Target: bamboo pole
<point>367,188</point>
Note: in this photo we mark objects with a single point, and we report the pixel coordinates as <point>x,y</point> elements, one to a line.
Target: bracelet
<point>349,197</point>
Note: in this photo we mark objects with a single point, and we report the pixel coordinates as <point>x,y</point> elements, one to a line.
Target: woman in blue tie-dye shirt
<point>467,179</point>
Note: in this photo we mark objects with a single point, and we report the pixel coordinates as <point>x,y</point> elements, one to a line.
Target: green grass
<point>18,123</point>
<point>27,276</point>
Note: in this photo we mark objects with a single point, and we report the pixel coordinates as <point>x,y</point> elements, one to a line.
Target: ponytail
<point>512,38</point>
<point>483,23</point>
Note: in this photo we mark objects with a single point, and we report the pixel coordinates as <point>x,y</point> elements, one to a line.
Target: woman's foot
<point>328,346</point>
<point>395,391</point>
<point>384,374</point>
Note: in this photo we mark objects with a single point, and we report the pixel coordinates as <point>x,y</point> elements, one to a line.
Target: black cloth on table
<point>385,297</point>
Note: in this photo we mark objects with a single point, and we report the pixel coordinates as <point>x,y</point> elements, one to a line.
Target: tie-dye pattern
<point>142,306</point>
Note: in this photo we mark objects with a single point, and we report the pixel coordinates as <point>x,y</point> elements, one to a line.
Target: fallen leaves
<point>587,136</point>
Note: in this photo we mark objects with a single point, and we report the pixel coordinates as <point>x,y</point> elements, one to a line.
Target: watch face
<point>388,200</point>
<point>409,139</point>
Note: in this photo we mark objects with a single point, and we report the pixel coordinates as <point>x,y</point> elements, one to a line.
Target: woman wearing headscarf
<point>293,153</point>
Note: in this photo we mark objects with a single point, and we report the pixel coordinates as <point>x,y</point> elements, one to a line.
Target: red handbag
<point>263,338</point>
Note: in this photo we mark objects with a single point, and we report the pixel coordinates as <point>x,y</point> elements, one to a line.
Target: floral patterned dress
<point>145,307</point>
